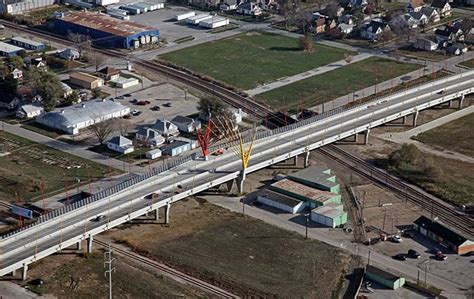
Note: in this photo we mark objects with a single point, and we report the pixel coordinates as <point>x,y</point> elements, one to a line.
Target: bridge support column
<point>230,185</point>
<point>167,213</point>
<point>241,180</point>
<point>306,159</point>
<point>296,160</point>
<point>415,117</point>
<point>79,245</point>
<point>366,136</point>
<point>461,101</point>
<point>89,244</point>
<point>156,215</point>
<point>13,274</point>
<point>24,272</point>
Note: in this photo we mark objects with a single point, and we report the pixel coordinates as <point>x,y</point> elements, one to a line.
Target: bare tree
<point>123,126</point>
<point>348,58</point>
<point>81,42</point>
<point>306,43</point>
<point>386,35</point>
<point>98,60</point>
<point>103,129</point>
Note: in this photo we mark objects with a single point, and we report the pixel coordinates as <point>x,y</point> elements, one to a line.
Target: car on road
<point>397,239</point>
<point>441,91</point>
<point>400,257</point>
<point>152,195</point>
<point>218,152</point>
<point>127,95</point>
<point>136,112</point>
<point>441,257</point>
<point>167,104</point>
<point>98,218</point>
<point>413,254</point>
<point>155,108</point>
<point>119,98</point>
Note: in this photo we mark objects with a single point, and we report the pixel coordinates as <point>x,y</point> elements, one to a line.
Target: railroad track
<point>446,213</point>
<point>213,290</point>
<point>5,204</point>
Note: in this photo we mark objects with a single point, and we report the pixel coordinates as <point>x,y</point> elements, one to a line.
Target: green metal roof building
<point>317,176</point>
<point>384,278</point>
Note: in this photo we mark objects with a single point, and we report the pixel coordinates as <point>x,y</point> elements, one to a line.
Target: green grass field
<point>322,88</point>
<point>28,165</point>
<point>250,59</point>
<point>457,136</point>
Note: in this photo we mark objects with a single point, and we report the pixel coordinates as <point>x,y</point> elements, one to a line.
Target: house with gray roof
<point>150,136</point>
<point>186,124</point>
<point>120,144</point>
<point>166,128</point>
<point>29,111</point>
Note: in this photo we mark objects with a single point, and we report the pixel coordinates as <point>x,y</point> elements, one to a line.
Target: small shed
<point>384,278</point>
<point>153,154</point>
<point>281,201</point>
<point>177,147</point>
<point>123,83</point>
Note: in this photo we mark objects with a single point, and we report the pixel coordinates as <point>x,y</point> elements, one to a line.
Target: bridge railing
<point>176,162</point>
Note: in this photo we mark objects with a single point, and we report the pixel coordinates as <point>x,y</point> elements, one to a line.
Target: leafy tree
<point>48,86</point>
<point>96,92</point>
<point>211,105</point>
<point>72,98</point>
<point>15,61</point>
<point>306,43</point>
<point>22,53</point>
<point>408,154</point>
<point>3,71</point>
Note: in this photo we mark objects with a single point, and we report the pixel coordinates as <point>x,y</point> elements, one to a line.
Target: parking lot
<point>458,269</point>
<point>181,103</point>
<point>163,19</point>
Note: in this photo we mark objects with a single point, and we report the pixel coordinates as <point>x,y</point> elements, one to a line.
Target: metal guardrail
<point>158,170</point>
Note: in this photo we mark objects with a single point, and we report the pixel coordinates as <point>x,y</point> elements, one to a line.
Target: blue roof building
<point>27,44</point>
<point>7,50</point>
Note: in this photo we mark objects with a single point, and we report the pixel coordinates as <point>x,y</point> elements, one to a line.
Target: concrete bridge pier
<point>415,117</point>
<point>24,272</point>
<point>89,244</point>
<point>240,182</point>
<point>230,185</point>
<point>155,215</point>
<point>306,159</point>
<point>296,160</point>
<point>402,121</point>
<point>366,137</point>
<point>79,245</point>
<point>13,274</point>
<point>461,101</point>
<point>167,213</point>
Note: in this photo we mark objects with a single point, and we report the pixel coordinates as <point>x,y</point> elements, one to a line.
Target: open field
<point>61,274</point>
<point>239,253</point>
<point>457,136</point>
<point>468,63</point>
<point>29,165</point>
<point>250,59</point>
<point>331,85</point>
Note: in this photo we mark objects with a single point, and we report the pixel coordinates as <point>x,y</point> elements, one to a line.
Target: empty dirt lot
<point>239,253</point>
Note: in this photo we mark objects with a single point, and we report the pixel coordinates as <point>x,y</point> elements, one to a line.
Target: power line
<point>109,269</point>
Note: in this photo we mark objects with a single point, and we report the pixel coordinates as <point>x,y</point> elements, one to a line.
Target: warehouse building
<point>74,118</point>
<point>214,22</point>
<point>313,197</point>
<point>7,50</point>
<point>27,44</point>
<point>384,278</point>
<point>317,176</point>
<point>331,215</point>
<point>106,31</point>
<point>85,80</point>
<point>281,201</point>
<point>445,236</point>
<point>14,7</point>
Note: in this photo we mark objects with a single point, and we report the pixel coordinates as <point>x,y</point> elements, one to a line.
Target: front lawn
<point>253,58</point>
<point>331,85</point>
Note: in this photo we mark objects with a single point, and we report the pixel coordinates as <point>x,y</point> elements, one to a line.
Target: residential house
<point>237,115</point>
<point>186,124</point>
<point>166,128</point>
<point>69,54</point>
<point>425,44</point>
<point>35,62</point>
<point>449,33</point>
<point>373,29</point>
<point>249,8</point>
<point>108,73</point>
<point>85,80</point>
<point>456,49</point>
<point>16,73</point>
<point>404,21</point>
<point>354,3</point>
<point>346,28</point>
<point>415,5</point>
<point>346,19</point>
<point>419,17</point>
<point>431,13</point>
<point>67,90</point>
<point>8,101</point>
<point>29,111</point>
<point>150,136</point>
<point>442,6</point>
<point>121,145</point>
<point>229,5</point>
<point>268,4</point>
<point>320,26</point>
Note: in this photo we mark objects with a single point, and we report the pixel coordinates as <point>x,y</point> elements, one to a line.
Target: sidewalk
<point>305,75</point>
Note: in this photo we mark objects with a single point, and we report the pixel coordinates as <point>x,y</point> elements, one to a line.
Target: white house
<point>345,28</point>
<point>153,154</point>
<point>17,73</point>
<point>69,54</point>
<point>249,8</point>
<point>67,90</point>
<point>431,13</point>
<point>442,6</point>
<point>150,136</point>
<point>373,30</point>
<point>120,144</point>
<point>415,5</point>
<point>186,124</point>
<point>419,17</point>
<point>237,115</point>
<point>29,111</point>
<point>166,128</point>
<point>404,21</point>
<point>229,5</point>
<point>425,44</point>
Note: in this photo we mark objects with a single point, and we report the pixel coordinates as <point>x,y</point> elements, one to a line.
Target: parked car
<point>155,108</point>
<point>142,103</point>
<point>397,239</point>
<point>413,254</point>
<point>127,95</point>
<point>441,257</point>
<point>134,101</point>
<point>167,104</point>
<point>400,257</point>
<point>136,112</point>
<point>119,98</point>
<point>436,251</point>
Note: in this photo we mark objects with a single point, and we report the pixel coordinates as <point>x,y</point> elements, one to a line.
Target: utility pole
<point>109,269</point>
